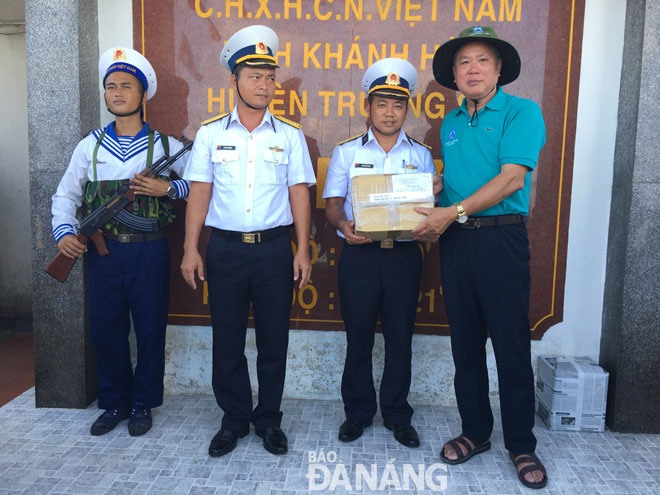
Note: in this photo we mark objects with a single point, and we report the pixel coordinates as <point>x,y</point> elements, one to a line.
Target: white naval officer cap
<point>391,78</point>
<point>254,46</point>
<point>130,61</point>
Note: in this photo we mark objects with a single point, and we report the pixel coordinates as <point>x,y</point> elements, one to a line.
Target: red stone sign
<point>325,47</point>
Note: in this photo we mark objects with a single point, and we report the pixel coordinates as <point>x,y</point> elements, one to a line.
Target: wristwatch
<point>461,216</point>
<point>171,191</point>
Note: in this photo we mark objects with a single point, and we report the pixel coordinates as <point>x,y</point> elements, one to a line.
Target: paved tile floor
<point>50,451</point>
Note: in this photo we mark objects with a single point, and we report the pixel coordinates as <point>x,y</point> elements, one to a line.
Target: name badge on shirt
<point>225,147</point>
<point>364,165</point>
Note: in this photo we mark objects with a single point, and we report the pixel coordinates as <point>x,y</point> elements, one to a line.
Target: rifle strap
<point>150,148</point>
<point>96,151</point>
<point>165,141</point>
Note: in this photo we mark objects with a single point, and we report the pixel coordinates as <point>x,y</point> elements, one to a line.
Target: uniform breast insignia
<point>410,166</point>
<point>276,149</point>
<point>349,139</point>
<point>413,140</point>
<point>364,165</point>
<point>225,147</point>
<point>217,117</point>
<point>287,121</point>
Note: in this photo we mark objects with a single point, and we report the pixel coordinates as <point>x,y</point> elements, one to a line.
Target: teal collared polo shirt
<point>509,130</point>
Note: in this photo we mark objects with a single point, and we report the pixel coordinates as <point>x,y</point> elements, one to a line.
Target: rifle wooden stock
<point>60,266</point>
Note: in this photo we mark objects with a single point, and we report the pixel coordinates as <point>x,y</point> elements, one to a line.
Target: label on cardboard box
<point>398,197</point>
<point>418,183</point>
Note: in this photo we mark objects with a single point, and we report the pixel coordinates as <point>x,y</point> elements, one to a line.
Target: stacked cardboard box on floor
<point>571,393</point>
<point>383,205</point>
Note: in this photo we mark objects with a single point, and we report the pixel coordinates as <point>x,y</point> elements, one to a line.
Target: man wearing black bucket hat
<point>490,145</point>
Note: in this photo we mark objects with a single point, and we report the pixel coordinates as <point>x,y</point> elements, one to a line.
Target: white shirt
<point>113,162</point>
<point>251,171</point>
<point>363,155</point>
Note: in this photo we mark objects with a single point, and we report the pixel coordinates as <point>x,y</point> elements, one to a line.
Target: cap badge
<point>393,79</point>
<point>477,30</point>
<point>118,54</point>
<point>260,48</point>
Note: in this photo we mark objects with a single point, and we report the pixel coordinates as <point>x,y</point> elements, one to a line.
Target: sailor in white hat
<point>134,278</point>
<point>254,47</point>
<point>372,280</point>
<point>250,173</point>
<point>130,62</point>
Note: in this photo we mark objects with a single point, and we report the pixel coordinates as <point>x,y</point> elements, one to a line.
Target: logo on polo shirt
<point>451,139</point>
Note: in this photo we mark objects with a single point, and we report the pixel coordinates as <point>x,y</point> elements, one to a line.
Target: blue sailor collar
<point>110,141</point>
<point>369,136</point>
<point>497,102</point>
<point>267,118</point>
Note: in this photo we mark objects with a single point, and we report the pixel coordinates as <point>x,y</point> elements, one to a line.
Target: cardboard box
<point>383,205</point>
<point>571,393</point>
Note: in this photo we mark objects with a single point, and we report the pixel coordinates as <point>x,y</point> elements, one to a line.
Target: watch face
<point>171,192</point>
<point>462,219</point>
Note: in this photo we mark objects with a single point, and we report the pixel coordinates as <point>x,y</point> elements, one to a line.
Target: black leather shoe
<point>404,434</point>
<point>139,421</point>
<point>107,421</point>
<point>224,442</point>
<point>275,440</point>
<point>351,429</point>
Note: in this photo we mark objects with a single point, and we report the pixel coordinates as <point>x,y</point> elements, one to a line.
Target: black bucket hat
<point>443,60</point>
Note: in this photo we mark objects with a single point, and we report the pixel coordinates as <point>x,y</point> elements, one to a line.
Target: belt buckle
<point>251,237</point>
<point>387,244</point>
<point>472,223</point>
<point>124,238</point>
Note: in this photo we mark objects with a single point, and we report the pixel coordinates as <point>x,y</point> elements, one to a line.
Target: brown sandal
<point>536,465</point>
<point>462,441</point>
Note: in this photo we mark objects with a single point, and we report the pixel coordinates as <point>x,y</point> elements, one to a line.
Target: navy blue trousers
<point>375,281</point>
<point>131,282</point>
<point>239,274</point>
<point>486,284</point>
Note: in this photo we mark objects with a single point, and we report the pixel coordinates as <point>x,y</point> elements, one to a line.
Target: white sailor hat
<point>254,46</point>
<point>127,60</point>
<point>390,77</point>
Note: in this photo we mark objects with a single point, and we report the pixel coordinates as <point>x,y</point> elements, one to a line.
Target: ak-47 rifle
<point>90,228</point>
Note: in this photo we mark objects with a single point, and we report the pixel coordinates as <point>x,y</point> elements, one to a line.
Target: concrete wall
<point>630,347</point>
<point>316,358</point>
<point>15,267</point>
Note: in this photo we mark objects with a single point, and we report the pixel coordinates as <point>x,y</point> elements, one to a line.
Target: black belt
<point>494,221</point>
<point>123,238</point>
<point>384,244</point>
<point>253,237</point>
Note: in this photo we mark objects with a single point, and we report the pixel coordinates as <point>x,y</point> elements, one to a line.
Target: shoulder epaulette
<point>287,121</point>
<point>217,117</point>
<point>411,139</point>
<point>350,139</point>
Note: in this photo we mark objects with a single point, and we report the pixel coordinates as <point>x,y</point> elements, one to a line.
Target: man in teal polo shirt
<point>490,145</point>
